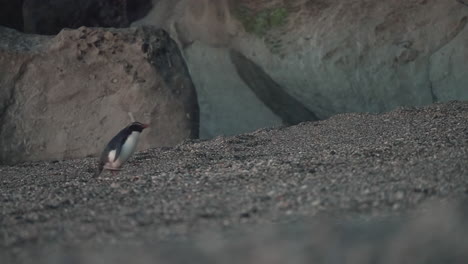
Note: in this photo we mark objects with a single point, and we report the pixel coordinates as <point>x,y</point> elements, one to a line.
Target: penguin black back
<point>117,142</point>
<point>136,126</point>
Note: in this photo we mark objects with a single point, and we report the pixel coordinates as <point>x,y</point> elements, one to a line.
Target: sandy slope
<point>215,201</point>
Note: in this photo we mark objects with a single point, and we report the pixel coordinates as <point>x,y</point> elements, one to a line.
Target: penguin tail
<point>99,170</point>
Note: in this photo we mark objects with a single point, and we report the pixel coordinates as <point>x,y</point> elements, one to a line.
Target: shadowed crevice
<point>163,53</point>
<point>290,110</point>
<point>6,103</point>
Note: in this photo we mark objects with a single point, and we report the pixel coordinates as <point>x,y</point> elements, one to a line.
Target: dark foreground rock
<point>11,14</point>
<point>356,188</point>
<point>66,96</point>
<point>50,16</point>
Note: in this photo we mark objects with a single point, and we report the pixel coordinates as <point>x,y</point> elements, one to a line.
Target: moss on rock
<point>260,22</point>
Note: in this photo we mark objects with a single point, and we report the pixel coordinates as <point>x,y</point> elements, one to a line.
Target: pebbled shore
<point>356,188</point>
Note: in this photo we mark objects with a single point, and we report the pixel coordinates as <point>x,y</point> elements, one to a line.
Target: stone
<point>59,100</point>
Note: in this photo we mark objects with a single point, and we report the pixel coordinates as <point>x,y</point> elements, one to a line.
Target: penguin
<point>120,148</point>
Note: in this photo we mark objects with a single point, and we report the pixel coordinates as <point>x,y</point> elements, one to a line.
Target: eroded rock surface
<point>331,56</point>
<point>66,96</point>
<point>289,109</point>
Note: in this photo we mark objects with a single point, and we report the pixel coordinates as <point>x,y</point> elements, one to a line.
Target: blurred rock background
<point>260,63</point>
<point>330,56</point>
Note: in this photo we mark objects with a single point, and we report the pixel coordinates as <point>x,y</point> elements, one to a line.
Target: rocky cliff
<point>329,56</point>
<point>66,96</point>
<point>265,63</point>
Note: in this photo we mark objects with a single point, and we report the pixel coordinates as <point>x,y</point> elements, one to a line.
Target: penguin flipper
<point>116,144</point>
<point>119,146</point>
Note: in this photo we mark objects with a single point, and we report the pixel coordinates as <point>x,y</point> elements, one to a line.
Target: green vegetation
<point>259,23</point>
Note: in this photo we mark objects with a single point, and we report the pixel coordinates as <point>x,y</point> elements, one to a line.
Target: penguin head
<point>137,126</point>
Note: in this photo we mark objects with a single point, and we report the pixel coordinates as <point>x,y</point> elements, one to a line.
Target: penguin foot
<point>112,168</point>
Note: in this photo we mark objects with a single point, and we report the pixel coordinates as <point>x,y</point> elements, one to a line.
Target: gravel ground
<point>356,188</point>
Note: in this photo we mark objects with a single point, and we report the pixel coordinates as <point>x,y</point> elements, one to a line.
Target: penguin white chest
<point>126,150</point>
<point>129,146</point>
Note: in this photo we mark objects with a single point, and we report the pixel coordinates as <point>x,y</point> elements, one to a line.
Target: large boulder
<point>65,96</point>
<point>330,56</point>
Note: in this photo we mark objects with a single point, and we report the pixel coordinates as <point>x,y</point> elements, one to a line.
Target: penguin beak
<point>145,125</point>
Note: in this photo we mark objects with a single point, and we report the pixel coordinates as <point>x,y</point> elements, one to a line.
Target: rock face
<point>331,56</point>
<point>137,9</point>
<point>66,96</point>
<point>290,110</point>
